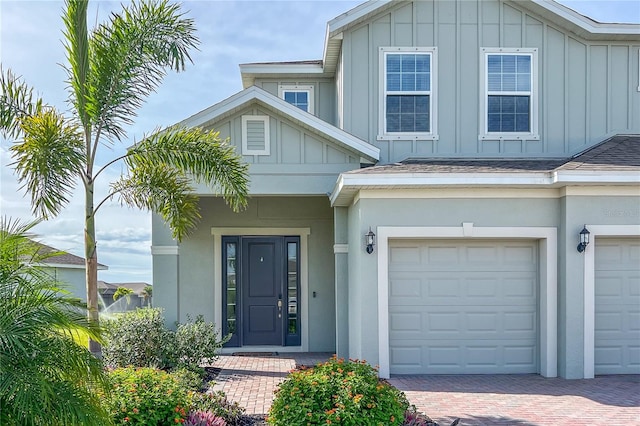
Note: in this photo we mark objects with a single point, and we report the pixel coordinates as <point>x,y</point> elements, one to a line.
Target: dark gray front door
<point>262,291</point>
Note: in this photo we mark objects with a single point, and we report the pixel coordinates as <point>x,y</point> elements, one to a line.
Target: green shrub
<point>218,404</point>
<point>137,338</point>
<point>196,342</point>
<point>188,379</point>
<point>340,393</point>
<point>146,396</point>
<point>140,339</point>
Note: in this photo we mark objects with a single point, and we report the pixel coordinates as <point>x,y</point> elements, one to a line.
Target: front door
<point>262,291</point>
<point>261,288</point>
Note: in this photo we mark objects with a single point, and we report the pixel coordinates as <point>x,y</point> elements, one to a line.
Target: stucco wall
<point>186,287</point>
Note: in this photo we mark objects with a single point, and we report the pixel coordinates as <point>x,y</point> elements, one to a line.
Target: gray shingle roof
<point>63,258</point>
<point>618,153</point>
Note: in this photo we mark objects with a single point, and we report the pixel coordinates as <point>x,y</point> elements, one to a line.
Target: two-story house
<point>418,196</point>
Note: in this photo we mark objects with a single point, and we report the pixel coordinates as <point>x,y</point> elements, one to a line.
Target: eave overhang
<point>349,184</point>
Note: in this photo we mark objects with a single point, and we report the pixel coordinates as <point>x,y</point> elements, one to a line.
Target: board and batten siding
<point>587,90</point>
<point>290,143</point>
<point>323,93</point>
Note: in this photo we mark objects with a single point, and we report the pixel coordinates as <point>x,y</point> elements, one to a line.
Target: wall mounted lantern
<point>584,239</point>
<point>369,240</point>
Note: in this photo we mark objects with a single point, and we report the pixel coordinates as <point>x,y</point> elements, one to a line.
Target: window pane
<point>408,64</point>
<point>393,82</point>
<point>508,64</point>
<point>393,104</point>
<point>302,97</point>
<point>423,63</point>
<point>393,122</point>
<point>407,72</point>
<point>290,97</point>
<point>292,288</point>
<point>231,287</point>
<point>393,63</point>
<point>508,114</point>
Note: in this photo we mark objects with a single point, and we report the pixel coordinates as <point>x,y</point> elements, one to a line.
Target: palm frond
<point>17,101</point>
<point>48,160</point>
<point>161,189</point>
<point>45,377</point>
<point>200,155</point>
<point>77,47</point>
<point>129,56</point>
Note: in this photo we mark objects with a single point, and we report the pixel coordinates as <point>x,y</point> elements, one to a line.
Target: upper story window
<point>300,96</point>
<point>408,95</point>
<point>509,96</point>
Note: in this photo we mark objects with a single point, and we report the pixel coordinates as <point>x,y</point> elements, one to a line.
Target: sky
<point>231,33</point>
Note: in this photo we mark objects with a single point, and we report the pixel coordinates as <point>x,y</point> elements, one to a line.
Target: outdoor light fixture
<point>370,240</point>
<point>584,239</point>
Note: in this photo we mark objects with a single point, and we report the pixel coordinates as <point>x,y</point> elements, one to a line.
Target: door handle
<point>279,308</point>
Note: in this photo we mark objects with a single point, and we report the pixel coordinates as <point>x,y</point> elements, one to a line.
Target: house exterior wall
<point>300,161</point>
<point>587,90</point>
<point>378,210</point>
<point>324,93</point>
<point>73,280</point>
<point>564,209</point>
<point>184,283</point>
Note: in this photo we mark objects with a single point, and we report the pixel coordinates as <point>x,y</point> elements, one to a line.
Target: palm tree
<point>45,377</point>
<point>147,294</point>
<point>111,70</point>
<point>123,292</point>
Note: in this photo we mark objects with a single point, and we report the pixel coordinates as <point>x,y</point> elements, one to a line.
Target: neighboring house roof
<point>64,259</point>
<point>137,287</point>
<point>255,94</point>
<point>556,13</point>
<point>613,161</point>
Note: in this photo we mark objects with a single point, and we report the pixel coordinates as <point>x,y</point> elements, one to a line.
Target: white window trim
<point>590,287</point>
<point>267,141</point>
<point>484,93</point>
<point>547,272</point>
<point>298,88</point>
<point>433,96</point>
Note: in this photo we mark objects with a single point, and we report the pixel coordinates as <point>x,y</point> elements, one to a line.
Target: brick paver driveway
<point>520,400</point>
<point>525,399</point>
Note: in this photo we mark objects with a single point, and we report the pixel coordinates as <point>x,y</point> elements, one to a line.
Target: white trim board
<point>547,237</point>
<point>590,287</point>
<point>303,233</point>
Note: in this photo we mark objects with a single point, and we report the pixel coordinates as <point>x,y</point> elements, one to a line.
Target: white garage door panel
<point>617,306</point>
<point>463,307</point>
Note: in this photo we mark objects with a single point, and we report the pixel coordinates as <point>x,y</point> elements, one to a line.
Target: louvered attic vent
<point>255,135</point>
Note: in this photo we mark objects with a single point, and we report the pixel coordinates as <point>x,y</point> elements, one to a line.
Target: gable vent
<point>255,135</point>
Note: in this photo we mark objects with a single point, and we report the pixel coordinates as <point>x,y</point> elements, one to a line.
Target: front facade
<point>475,139</point>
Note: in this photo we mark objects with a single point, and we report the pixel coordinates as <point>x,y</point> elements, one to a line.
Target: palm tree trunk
<point>91,265</point>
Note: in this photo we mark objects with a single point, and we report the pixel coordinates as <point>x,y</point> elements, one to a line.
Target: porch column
<point>340,250</point>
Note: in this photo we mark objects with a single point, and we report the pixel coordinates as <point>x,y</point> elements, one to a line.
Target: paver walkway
<point>520,400</point>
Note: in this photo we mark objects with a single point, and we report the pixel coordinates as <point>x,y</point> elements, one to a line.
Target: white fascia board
<point>337,24</point>
<point>69,266</point>
<point>594,177</point>
<point>440,179</point>
<point>585,23</point>
<point>255,93</point>
<point>282,68</point>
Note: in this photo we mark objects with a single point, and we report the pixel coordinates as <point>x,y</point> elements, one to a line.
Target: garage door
<point>617,305</point>
<point>463,307</point>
